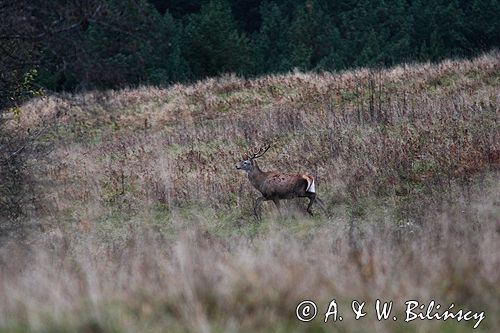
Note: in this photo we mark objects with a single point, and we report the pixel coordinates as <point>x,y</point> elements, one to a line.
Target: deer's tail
<point>311,186</point>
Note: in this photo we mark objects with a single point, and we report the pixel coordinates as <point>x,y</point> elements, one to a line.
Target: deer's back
<point>287,185</point>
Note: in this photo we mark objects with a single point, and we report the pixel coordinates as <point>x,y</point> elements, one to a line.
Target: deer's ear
<point>245,157</point>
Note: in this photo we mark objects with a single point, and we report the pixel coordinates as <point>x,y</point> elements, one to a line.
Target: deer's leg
<point>257,207</point>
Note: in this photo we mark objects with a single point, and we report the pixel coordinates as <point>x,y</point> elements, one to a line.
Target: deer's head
<point>247,163</point>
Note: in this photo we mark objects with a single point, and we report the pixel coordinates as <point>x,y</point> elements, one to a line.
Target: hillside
<point>147,226</point>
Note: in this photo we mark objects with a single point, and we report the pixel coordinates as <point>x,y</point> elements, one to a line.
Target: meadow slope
<point>138,220</point>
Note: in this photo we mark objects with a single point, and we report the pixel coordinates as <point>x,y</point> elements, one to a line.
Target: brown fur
<point>278,185</point>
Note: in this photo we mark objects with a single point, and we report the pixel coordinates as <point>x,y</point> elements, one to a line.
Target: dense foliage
<point>75,45</point>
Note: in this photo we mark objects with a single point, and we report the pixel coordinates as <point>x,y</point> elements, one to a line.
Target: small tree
<point>21,36</point>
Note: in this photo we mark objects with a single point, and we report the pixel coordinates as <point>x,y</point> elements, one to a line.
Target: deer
<point>275,186</point>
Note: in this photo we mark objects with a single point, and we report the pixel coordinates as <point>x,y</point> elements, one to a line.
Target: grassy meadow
<point>138,220</point>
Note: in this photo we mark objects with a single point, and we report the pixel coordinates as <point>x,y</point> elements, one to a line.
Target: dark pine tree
<point>394,24</point>
<point>178,8</point>
<point>315,39</point>
<point>212,44</point>
<point>247,14</point>
<point>482,25</point>
<point>172,66</point>
<point>272,43</point>
<point>128,47</point>
<point>439,29</point>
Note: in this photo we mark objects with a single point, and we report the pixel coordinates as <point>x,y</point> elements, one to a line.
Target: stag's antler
<point>261,152</point>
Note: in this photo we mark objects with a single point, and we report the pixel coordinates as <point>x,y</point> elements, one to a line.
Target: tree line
<point>68,45</point>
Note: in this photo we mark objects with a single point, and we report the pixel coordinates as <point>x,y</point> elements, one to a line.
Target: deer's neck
<point>256,176</point>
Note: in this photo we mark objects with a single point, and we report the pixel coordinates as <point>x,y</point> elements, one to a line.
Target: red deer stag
<point>278,185</point>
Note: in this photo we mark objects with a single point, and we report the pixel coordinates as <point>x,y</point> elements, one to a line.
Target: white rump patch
<point>311,188</point>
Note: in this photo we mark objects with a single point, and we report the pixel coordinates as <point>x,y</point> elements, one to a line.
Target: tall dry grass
<point>147,226</point>
<point>362,133</point>
<point>199,281</point>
